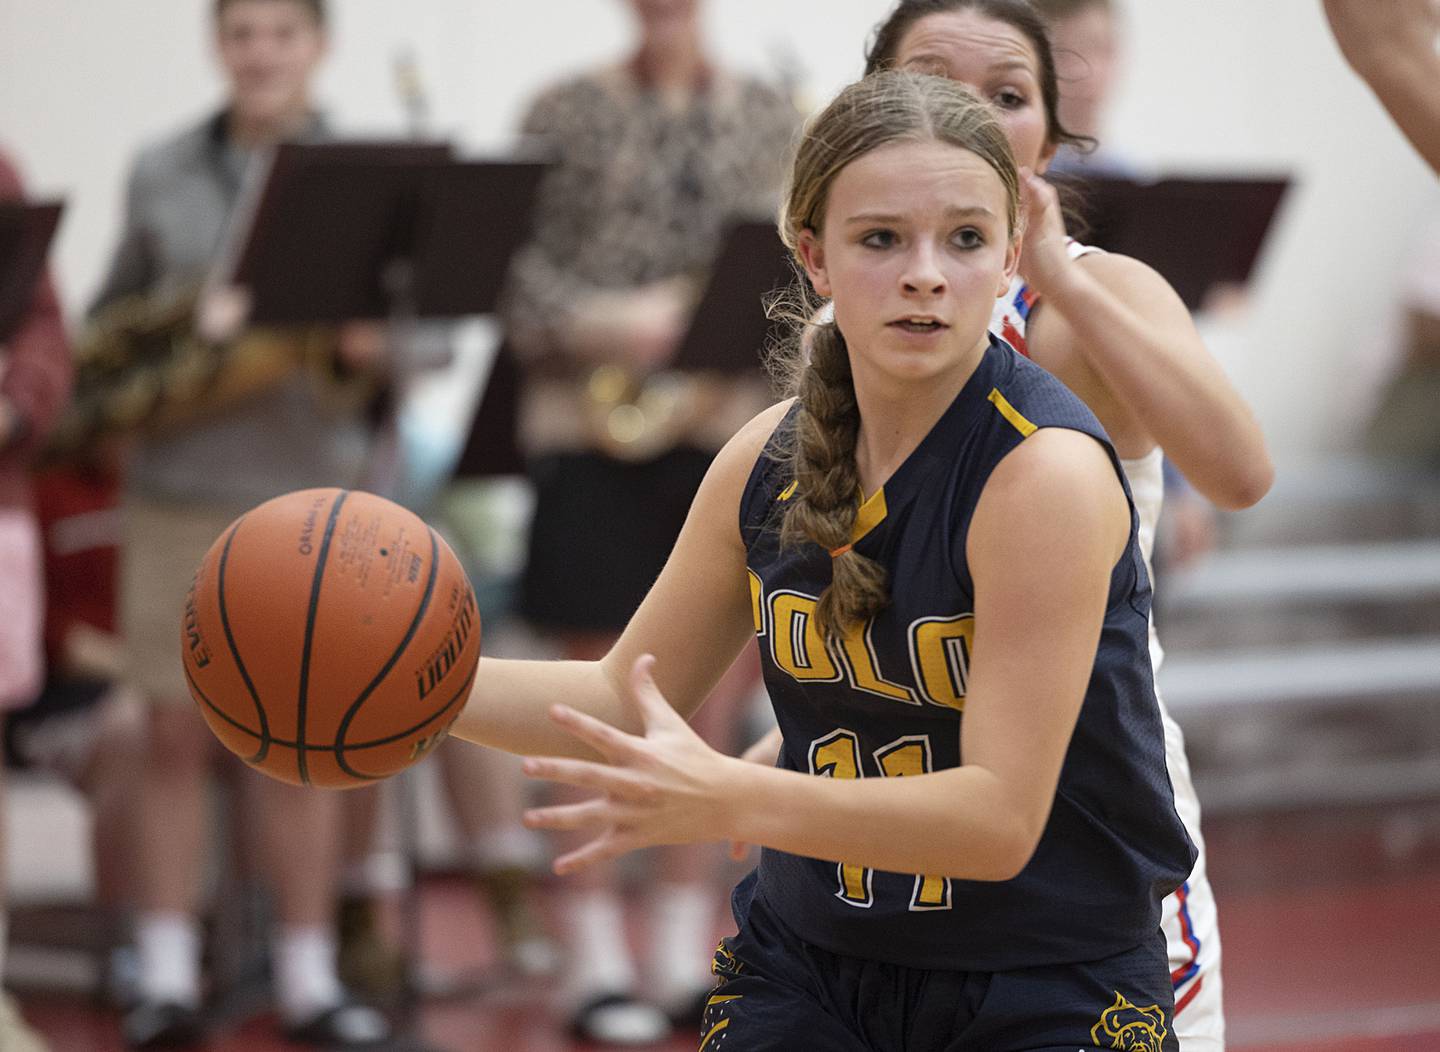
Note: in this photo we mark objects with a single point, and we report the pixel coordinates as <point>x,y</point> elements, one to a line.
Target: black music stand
<point>727,334</point>
<point>1197,232</point>
<point>397,231</point>
<point>26,230</point>
<point>729,330</point>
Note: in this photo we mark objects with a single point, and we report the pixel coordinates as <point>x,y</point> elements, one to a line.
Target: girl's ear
<point>1012,264</point>
<point>812,255</point>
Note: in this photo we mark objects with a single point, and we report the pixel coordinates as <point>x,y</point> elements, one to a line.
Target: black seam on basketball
<point>302,701</point>
<point>264,734</point>
<point>354,709</point>
<point>463,692</point>
<point>373,743</point>
<point>217,710</point>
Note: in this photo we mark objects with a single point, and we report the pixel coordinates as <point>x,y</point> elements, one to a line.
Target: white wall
<point>1220,85</point>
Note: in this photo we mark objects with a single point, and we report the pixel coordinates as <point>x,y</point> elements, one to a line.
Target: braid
<point>828,484</point>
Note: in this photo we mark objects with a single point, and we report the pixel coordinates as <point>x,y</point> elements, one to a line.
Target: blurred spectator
<point>85,728</point>
<point>1089,41</point>
<point>184,488</point>
<point>34,381</point>
<point>655,156</point>
<point>1392,46</point>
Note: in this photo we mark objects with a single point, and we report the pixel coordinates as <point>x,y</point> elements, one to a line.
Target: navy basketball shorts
<point>777,993</point>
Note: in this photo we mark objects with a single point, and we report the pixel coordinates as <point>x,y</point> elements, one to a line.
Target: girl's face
<point>914,249</point>
<point>997,62</point>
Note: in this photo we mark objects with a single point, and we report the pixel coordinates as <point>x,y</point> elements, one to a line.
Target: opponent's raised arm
<point>1132,330</point>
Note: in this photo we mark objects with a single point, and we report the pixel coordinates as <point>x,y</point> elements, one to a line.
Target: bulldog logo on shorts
<point>1131,1029</point>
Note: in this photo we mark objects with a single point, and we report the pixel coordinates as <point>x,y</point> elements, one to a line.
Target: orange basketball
<point>330,638</point>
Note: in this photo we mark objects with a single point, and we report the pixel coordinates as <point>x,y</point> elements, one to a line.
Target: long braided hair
<point>814,366</point>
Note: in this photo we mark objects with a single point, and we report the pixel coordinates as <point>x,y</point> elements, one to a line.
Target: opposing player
<point>961,655</point>
<point>1119,337</point>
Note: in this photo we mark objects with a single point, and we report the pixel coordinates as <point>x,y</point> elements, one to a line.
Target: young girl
<point>1118,336</point>
<point>987,882</point>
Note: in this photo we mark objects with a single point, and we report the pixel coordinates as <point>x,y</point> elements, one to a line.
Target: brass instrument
<point>142,368</point>
<point>635,417</point>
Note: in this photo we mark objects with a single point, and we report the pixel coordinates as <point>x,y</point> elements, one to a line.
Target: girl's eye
<point>879,239</point>
<point>969,237</point>
<point>1009,99</point>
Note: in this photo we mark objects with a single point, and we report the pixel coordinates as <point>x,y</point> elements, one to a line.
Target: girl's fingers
<point>596,811</point>
<point>585,774</point>
<point>654,709</point>
<point>599,850</point>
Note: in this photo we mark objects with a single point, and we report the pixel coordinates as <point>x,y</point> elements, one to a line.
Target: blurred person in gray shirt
<point>184,486</point>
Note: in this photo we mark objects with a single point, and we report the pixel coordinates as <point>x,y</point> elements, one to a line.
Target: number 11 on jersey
<point>837,755</point>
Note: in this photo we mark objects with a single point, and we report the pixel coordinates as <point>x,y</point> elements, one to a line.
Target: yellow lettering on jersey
<point>838,756</point>
<point>940,650</point>
<point>795,641</point>
<point>863,666</point>
<point>757,601</point>
<point>908,756</point>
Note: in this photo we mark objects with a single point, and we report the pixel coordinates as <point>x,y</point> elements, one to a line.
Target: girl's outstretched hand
<point>663,787</point>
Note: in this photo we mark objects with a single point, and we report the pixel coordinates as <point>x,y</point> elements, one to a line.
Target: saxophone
<point>141,367</point>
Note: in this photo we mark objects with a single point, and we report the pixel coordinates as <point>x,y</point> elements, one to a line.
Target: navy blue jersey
<point>887,701</point>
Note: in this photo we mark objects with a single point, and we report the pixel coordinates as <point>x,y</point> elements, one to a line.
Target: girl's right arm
<point>695,620</point>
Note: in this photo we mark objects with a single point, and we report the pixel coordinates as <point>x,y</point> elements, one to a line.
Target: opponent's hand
<point>1045,257</point>
<point>663,787</point>
<point>765,751</point>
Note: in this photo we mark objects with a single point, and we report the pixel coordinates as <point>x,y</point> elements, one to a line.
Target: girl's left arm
<point>1134,332</point>
<point>1049,527</point>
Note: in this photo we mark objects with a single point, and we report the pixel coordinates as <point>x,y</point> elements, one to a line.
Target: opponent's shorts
<point>777,993</point>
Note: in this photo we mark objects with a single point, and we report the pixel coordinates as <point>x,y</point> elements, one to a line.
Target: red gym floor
<point>1327,920</point>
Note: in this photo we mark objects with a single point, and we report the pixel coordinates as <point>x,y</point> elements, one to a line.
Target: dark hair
<point>881,110</point>
<point>1021,14</point>
<point>315,8</point>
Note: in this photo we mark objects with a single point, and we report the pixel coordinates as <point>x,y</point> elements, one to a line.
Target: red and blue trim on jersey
<point>1020,305</point>
<point>1191,968</point>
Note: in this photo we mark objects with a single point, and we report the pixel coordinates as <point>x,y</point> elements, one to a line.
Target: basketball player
<point>182,490</point>
<point>988,883</point>
<point>1395,48</point>
<point>1118,336</point>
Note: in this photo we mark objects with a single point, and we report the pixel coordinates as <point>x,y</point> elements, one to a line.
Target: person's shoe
<point>366,961</point>
<point>15,1035</point>
<point>162,1024</point>
<point>347,1025</point>
<point>523,943</point>
<point>616,1019</point>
